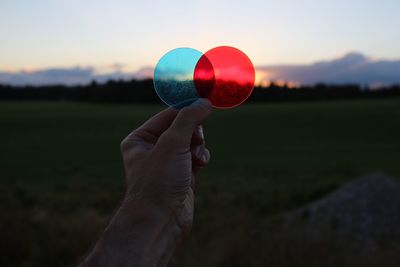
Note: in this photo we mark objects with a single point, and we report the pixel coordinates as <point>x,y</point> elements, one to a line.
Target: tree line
<point>142,91</point>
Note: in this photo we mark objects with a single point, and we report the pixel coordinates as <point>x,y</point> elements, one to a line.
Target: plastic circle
<point>173,77</point>
<point>233,79</point>
<point>224,75</point>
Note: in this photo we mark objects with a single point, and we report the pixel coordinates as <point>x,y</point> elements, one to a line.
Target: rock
<point>363,216</point>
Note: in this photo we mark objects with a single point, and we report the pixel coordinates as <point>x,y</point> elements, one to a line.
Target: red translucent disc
<point>204,77</point>
<point>225,75</point>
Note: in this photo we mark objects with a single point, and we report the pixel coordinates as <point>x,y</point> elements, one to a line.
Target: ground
<point>61,172</point>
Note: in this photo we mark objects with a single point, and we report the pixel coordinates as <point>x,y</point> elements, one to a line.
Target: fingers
<point>179,134</point>
<point>189,117</point>
<point>200,157</point>
<point>197,137</point>
<point>153,127</point>
<point>200,154</point>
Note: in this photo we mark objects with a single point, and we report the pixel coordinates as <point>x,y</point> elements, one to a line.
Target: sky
<point>38,34</point>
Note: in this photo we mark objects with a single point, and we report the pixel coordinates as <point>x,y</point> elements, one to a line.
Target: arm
<point>161,159</point>
<point>140,234</point>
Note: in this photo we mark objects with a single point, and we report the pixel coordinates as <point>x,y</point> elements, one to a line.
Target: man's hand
<point>161,159</point>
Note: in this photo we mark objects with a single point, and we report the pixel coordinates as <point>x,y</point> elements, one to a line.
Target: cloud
<point>71,76</point>
<point>351,68</point>
<point>49,76</point>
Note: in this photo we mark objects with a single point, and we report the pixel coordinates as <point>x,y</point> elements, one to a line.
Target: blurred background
<point>305,173</point>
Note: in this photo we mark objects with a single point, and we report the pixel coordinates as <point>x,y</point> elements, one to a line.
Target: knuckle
<point>170,138</point>
<point>186,111</point>
<point>124,145</point>
<point>128,142</point>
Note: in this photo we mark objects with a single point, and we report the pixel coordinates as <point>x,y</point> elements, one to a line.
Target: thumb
<point>180,133</point>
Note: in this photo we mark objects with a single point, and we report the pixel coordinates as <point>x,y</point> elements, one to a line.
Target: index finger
<point>155,126</point>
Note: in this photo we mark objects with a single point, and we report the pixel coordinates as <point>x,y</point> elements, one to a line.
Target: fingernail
<point>201,133</point>
<point>198,152</point>
<point>202,102</point>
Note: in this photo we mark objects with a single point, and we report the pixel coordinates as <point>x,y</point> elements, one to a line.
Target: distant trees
<point>142,91</point>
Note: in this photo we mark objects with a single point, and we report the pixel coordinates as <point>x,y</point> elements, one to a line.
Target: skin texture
<point>161,159</point>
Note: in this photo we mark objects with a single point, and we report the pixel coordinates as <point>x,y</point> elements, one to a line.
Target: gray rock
<point>363,215</point>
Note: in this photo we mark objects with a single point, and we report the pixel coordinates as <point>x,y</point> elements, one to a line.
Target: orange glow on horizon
<point>266,79</point>
<point>263,78</point>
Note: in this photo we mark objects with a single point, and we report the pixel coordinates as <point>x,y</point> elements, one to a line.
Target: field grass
<point>61,172</point>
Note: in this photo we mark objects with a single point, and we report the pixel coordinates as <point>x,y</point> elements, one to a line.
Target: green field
<point>61,172</point>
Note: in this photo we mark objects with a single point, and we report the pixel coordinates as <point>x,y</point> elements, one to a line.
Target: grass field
<point>61,172</point>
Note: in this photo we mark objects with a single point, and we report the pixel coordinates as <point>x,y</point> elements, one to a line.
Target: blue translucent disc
<point>173,77</point>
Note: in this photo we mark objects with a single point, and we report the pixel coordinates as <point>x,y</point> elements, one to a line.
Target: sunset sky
<point>131,34</point>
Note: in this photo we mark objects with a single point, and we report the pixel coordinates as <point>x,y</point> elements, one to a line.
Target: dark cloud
<point>351,68</point>
<point>49,76</point>
<point>69,76</point>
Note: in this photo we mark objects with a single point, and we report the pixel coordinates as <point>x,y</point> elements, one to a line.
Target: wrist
<point>141,232</point>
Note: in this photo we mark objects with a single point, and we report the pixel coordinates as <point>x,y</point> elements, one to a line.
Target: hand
<point>161,159</point>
